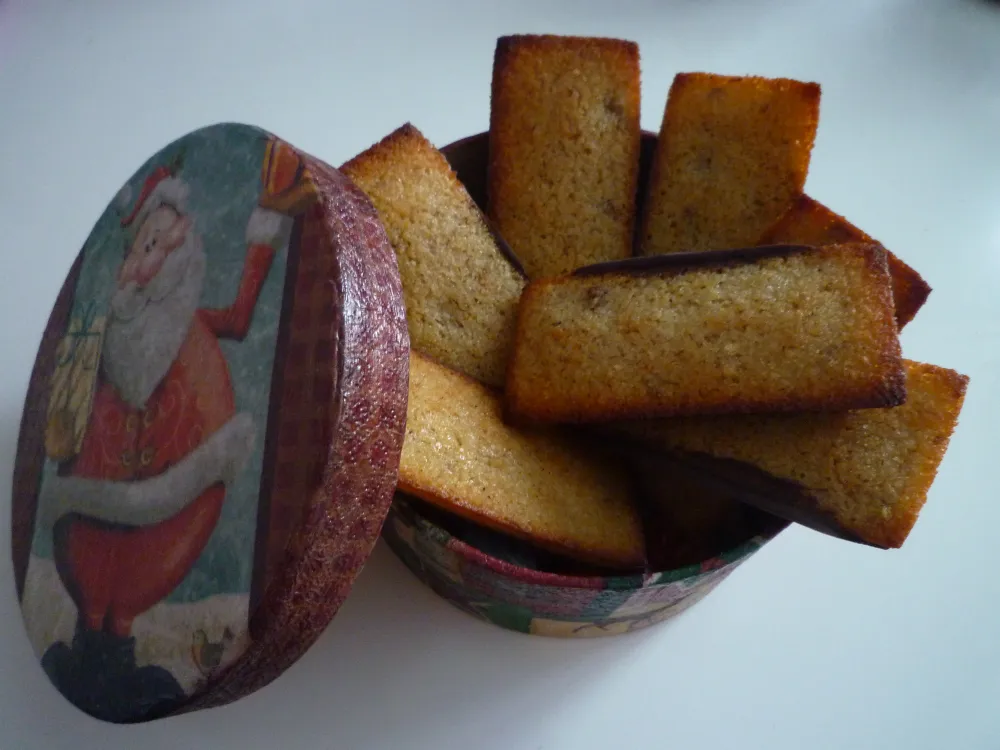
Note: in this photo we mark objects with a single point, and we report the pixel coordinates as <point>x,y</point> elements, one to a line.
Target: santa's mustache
<point>131,299</point>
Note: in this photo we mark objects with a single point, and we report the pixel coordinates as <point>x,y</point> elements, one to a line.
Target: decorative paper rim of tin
<point>541,603</point>
<point>212,429</point>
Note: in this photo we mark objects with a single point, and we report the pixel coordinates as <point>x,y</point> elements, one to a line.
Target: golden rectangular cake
<point>861,475</point>
<point>460,284</point>
<point>564,149</point>
<point>758,330</point>
<point>542,486</point>
<point>732,156</point>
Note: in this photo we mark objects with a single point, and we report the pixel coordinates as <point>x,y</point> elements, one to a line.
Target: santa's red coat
<point>116,573</point>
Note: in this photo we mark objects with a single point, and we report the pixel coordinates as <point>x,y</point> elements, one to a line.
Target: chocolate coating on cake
<point>653,264</point>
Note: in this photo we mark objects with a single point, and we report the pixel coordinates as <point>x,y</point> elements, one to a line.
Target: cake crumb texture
<point>870,468</point>
<point>809,222</point>
<point>542,486</point>
<point>812,330</point>
<point>460,290</point>
<point>732,156</point>
<point>564,149</point>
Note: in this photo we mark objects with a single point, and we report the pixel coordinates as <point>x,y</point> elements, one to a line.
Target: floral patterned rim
<point>530,601</point>
<point>622,582</point>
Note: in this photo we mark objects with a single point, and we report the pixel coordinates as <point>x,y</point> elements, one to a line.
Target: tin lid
<point>212,430</point>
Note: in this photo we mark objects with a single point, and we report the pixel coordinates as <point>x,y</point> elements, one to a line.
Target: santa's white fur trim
<point>219,459</point>
<point>172,191</point>
<point>267,227</point>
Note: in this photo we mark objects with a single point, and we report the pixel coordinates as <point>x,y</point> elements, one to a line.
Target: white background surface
<point>813,643</point>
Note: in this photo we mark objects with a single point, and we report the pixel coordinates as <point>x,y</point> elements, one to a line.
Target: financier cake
<point>809,222</point>
<point>564,149</point>
<point>862,475</point>
<point>541,486</point>
<point>783,328</point>
<point>732,155</point>
<point>460,283</point>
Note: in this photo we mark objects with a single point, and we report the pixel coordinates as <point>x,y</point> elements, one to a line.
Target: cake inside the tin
<point>784,363</point>
<point>761,330</point>
<point>863,474</point>
<point>460,282</point>
<point>550,487</point>
<point>809,222</point>
<point>732,156</point>
<point>564,149</point>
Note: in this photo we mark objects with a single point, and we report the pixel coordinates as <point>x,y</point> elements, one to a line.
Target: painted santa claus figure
<point>133,510</point>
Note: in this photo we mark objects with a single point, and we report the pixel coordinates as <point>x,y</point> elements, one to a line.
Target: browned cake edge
<point>887,389</point>
<point>506,48</point>
<point>509,42</point>
<point>789,499</point>
<point>910,290</point>
<point>401,134</point>
<point>657,165</point>
<point>552,544</point>
<point>660,152</point>
<point>895,533</point>
<point>459,507</point>
<point>408,131</point>
<point>678,263</point>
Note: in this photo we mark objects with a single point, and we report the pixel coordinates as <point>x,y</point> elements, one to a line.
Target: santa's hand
<point>270,228</point>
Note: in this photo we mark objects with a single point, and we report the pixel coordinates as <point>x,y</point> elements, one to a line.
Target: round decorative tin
<point>212,429</point>
<point>527,600</point>
<point>505,589</point>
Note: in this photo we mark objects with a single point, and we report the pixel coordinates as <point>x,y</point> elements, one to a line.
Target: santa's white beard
<point>148,325</point>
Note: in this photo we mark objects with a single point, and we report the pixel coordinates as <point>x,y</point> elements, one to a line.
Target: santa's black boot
<point>99,675</point>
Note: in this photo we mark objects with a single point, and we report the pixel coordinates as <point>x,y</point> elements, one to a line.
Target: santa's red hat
<point>162,187</point>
